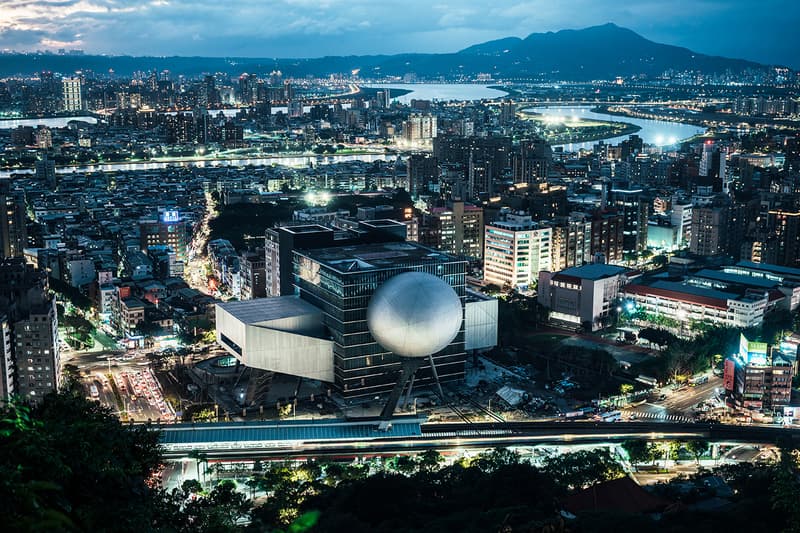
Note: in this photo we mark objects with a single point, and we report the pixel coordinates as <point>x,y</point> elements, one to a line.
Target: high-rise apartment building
<point>531,161</point>
<point>30,365</point>
<point>516,249</point>
<point>422,170</point>
<point>572,243</point>
<point>13,232</point>
<point>634,210</point>
<point>419,129</point>
<point>457,229</point>
<point>72,94</point>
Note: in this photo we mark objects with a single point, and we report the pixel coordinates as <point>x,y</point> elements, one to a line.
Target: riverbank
<point>370,92</point>
<point>700,119</point>
<point>570,131</point>
<point>510,92</point>
<point>204,160</point>
<point>628,113</point>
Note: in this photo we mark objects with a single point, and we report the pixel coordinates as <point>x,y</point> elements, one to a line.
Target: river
<point>50,122</point>
<point>657,132</point>
<point>440,91</point>
<point>289,161</point>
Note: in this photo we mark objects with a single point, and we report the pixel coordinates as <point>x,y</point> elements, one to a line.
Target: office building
<point>168,228</point>
<point>516,249</point>
<point>759,376</point>
<point>582,297</point>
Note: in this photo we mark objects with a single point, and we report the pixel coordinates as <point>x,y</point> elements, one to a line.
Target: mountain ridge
<point>596,52</point>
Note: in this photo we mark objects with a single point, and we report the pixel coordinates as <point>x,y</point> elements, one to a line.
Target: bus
<point>699,380</point>
<point>611,416</point>
<point>647,380</point>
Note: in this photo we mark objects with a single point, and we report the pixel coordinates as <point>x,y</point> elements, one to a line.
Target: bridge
<point>336,437</point>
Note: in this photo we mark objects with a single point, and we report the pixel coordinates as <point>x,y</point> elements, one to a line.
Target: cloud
<point>303,28</point>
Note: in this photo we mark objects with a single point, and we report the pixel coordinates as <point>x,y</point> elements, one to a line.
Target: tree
<point>697,448</point>
<point>199,457</point>
<point>429,460</point>
<point>625,389</point>
<point>639,451</point>
<point>580,469</point>
<point>219,510</point>
<point>69,464</point>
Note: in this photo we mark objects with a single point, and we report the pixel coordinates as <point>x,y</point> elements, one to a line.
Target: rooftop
<point>740,279</point>
<point>795,272</point>
<point>375,256</point>
<point>287,431</point>
<point>267,309</point>
<point>594,271</point>
<point>694,290</point>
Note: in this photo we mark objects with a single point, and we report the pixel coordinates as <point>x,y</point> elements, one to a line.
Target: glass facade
<point>342,289</point>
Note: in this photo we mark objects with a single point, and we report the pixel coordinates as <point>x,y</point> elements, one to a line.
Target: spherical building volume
<point>414,314</point>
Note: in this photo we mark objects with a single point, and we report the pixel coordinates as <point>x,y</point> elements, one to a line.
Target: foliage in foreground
<point>70,465</point>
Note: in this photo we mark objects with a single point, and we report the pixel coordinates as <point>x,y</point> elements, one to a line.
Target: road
<point>243,439</point>
<point>679,405</point>
<point>138,395</point>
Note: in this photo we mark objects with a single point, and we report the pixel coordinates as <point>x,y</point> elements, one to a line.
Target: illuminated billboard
<point>170,216</point>
<point>752,353</point>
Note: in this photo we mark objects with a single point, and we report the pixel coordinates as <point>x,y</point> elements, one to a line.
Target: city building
<point>168,228</point>
<point>72,94</point>
<point>30,366</point>
<point>419,130</point>
<point>531,160</point>
<point>516,249</point>
<point>322,333</point>
<point>758,376</point>
<point>282,241</point>
<point>582,296</point>
<point>456,229</point>
<point>13,220</point>
<point>252,272</point>
<point>634,210</point>
<point>422,171</point>
<point>572,243</point>
<point>679,305</point>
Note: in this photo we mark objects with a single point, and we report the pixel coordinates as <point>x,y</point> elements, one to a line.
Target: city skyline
<point>301,28</point>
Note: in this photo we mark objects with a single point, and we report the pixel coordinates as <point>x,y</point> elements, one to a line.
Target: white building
<point>515,250</point>
<point>582,296</point>
<point>686,303</point>
<point>480,321</point>
<point>72,94</point>
<point>282,334</point>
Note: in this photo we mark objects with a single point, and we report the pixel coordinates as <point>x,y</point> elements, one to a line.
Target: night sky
<point>764,30</point>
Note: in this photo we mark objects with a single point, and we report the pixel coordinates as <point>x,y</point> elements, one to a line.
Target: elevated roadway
<point>349,438</point>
